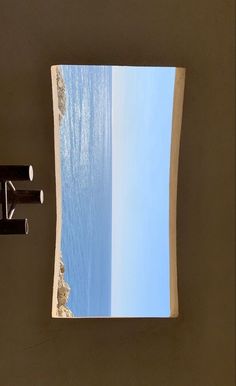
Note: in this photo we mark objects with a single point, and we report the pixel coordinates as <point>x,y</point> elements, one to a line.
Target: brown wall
<point>196,349</point>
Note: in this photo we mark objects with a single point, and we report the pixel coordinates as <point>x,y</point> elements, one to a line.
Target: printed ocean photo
<point>116,201</point>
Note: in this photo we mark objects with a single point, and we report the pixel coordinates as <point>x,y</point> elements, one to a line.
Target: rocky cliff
<point>63,289</point>
<point>61,94</point>
<point>63,293</point>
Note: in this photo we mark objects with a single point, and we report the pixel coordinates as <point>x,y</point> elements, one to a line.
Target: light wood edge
<point>58,189</point>
<point>174,161</point>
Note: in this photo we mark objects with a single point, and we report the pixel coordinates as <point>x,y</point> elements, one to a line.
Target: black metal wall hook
<point>10,197</point>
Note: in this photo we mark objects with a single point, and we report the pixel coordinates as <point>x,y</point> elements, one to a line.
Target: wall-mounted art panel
<point>117,132</point>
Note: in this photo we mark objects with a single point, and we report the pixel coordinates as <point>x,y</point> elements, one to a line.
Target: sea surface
<point>86,167</point>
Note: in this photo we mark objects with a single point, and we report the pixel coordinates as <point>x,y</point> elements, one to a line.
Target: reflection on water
<point>86,188</point>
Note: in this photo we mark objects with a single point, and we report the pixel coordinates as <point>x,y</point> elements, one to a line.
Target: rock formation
<point>63,289</point>
<point>63,293</point>
<point>61,94</point>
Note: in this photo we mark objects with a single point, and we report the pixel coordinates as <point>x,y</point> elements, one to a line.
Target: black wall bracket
<point>10,197</point>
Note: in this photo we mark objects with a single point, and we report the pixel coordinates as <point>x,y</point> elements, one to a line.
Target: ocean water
<point>86,167</point>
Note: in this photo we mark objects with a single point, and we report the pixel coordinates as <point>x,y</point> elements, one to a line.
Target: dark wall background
<point>197,348</point>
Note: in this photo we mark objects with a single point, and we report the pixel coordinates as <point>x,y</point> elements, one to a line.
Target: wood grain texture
<point>174,165</point>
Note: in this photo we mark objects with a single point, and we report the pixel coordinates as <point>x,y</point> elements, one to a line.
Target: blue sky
<point>142,102</point>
